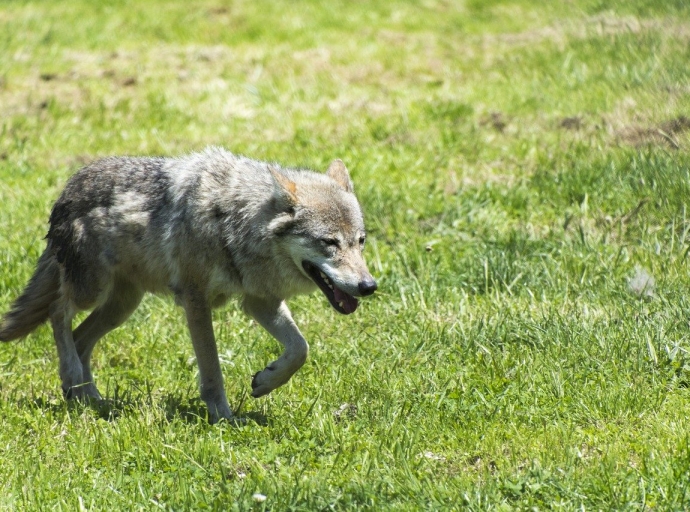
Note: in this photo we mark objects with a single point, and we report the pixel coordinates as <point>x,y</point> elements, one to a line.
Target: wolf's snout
<point>367,286</point>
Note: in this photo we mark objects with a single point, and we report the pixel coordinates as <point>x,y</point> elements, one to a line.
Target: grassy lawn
<point>524,169</point>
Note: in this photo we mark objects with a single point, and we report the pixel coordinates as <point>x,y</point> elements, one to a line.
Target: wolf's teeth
<point>341,304</point>
<point>330,285</point>
<point>323,275</point>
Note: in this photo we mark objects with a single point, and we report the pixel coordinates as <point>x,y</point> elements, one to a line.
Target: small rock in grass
<point>345,411</point>
<point>642,283</point>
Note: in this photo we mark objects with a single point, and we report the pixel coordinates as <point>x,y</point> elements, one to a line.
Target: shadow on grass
<point>104,409</point>
<point>191,411</point>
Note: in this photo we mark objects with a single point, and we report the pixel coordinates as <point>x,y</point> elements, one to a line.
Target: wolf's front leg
<point>210,376</point>
<point>274,316</point>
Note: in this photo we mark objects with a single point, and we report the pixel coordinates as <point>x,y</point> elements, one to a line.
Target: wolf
<point>203,227</point>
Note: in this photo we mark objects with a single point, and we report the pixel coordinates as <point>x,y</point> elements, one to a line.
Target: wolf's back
<point>31,308</point>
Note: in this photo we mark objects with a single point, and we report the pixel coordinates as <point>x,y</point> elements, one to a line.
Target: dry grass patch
<point>671,133</point>
<point>602,25</point>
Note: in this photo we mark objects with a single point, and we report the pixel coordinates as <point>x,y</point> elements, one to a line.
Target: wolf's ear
<point>338,172</point>
<point>285,190</point>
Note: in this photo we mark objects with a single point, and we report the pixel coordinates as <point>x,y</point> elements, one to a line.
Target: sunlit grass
<point>518,164</point>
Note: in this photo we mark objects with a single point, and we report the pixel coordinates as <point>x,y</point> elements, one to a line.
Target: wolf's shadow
<point>191,411</point>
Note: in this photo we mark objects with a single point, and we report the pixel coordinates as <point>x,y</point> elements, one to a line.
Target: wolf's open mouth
<point>341,301</point>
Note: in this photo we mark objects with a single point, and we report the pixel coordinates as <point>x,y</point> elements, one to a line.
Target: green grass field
<point>523,167</point>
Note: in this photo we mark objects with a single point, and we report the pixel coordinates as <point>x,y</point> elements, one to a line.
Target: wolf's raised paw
<point>259,388</point>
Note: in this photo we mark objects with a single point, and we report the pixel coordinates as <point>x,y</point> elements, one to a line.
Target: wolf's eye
<point>362,239</point>
<point>330,242</point>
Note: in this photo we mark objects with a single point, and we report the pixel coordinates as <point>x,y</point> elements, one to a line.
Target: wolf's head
<point>320,227</point>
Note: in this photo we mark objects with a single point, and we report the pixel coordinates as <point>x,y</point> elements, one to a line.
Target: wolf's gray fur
<point>204,227</point>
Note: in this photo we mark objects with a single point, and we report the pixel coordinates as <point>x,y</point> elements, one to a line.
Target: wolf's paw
<point>218,412</point>
<point>261,382</point>
<point>234,421</point>
<point>86,392</point>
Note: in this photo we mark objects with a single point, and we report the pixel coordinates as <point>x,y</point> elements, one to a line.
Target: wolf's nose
<point>367,286</point>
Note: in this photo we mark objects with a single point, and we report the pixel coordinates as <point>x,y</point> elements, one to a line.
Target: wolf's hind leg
<point>122,301</point>
<point>274,316</point>
<point>61,314</point>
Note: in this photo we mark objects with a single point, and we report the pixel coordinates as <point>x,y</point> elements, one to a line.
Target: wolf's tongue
<point>347,301</point>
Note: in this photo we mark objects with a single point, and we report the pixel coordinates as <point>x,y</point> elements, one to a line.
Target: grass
<point>518,165</point>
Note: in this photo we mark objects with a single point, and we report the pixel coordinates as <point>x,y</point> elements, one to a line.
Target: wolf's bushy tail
<point>31,308</point>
